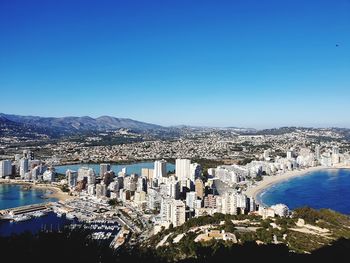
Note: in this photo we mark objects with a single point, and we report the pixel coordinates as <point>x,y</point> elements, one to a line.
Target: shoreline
<point>268,181</point>
<point>55,191</point>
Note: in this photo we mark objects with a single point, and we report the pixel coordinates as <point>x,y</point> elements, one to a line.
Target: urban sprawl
<point>155,199</point>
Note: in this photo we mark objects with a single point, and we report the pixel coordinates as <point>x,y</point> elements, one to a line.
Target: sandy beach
<point>271,180</point>
<point>55,191</point>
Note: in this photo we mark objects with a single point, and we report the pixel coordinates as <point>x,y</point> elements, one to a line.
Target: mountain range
<point>71,125</point>
<point>55,127</point>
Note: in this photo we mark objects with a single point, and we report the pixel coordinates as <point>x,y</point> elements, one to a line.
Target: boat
<point>39,214</point>
<point>70,216</point>
<point>21,218</point>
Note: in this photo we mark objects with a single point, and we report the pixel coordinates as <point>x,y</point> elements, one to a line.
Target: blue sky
<point>216,63</point>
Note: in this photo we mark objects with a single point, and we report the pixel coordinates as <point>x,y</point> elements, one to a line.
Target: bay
<point>327,188</point>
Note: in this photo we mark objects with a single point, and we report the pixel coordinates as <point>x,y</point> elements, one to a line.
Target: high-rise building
<point>199,188</point>
<point>229,204</point>
<point>318,152</point>
<point>114,186</point>
<point>140,198</point>
<point>130,183</point>
<point>178,213</point>
<point>107,177</point>
<point>87,173</point>
<point>252,205</point>
<point>142,184</point>
<point>174,190</point>
<point>182,169</point>
<point>191,199</point>
<point>91,189</point>
<point>159,169</point>
<point>242,202</point>
<point>101,190</point>
<point>281,209</point>
<point>195,171</point>
<point>154,199</point>
<point>165,209</point>
<point>148,173</point>
<point>27,154</point>
<point>5,168</point>
<point>49,175</point>
<point>23,167</point>
<point>35,172</point>
<point>210,201</point>
<point>72,178</point>
<point>104,168</point>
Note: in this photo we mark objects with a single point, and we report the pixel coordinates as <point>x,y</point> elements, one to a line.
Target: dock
<point>25,209</point>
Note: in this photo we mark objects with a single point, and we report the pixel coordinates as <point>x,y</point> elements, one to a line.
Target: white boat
<point>70,216</point>
<point>58,214</point>
<point>21,218</point>
<point>38,214</point>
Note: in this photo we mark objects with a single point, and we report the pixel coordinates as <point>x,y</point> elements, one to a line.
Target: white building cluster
<point>27,168</point>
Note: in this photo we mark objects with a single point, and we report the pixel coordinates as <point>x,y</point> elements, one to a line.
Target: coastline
<point>55,191</point>
<point>269,181</point>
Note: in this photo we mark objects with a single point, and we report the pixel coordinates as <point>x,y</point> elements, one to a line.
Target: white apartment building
<point>104,168</point>
<point>72,178</point>
<point>191,199</point>
<point>23,167</point>
<point>88,173</point>
<point>91,190</point>
<point>195,171</point>
<point>49,175</point>
<point>5,168</point>
<point>280,209</point>
<point>228,204</point>
<point>178,213</point>
<point>159,169</point>
<point>101,190</point>
<point>182,169</point>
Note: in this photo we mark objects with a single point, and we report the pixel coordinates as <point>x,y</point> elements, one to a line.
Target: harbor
<point>94,217</point>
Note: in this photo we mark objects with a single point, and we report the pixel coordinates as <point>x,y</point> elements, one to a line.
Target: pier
<point>25,209</point>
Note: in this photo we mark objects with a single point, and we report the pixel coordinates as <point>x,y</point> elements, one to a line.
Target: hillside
<point>56,127</point>
<point>308,231</point>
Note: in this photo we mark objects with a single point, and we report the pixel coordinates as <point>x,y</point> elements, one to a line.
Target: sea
<point>49,222</point>
<point>326,188</point>
<point>17,195</point>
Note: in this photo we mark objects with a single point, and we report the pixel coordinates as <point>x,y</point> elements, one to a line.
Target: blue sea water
<point>48,222</point>
<point>15,195</point>
<point>327,188</point>
<point>131,168</point>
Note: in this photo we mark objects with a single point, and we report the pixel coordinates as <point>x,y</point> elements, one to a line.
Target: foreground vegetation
<point>75,246</point>
<point>307,231</point>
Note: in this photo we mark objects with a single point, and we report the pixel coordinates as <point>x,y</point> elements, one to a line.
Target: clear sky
<point>216,63</point>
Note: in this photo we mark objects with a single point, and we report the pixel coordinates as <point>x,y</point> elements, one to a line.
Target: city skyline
<point>241,63</point>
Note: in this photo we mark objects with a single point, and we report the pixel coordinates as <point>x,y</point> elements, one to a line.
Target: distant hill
<point>71,125</point>
<point>55,127</point>
<point>81,123</point>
